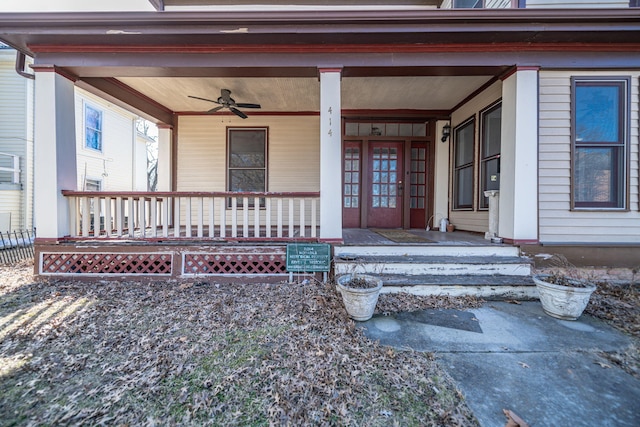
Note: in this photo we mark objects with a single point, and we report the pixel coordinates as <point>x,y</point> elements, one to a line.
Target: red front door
<point>385,184</point>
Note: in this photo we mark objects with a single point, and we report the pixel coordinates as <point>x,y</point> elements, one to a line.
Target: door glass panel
<point>351,179</point>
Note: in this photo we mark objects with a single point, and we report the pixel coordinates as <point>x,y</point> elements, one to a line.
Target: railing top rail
<point>74,193</point>
<point>9,155</point>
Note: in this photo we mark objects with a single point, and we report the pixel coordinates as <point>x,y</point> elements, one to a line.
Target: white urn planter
<point>360,302</point>
<point>566,302</point>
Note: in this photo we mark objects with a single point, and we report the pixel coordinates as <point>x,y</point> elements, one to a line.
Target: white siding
<point>16,134</point>
<point>576,4</point>
<point>558,224</point>
<point>10,210</point>
<point>473,220</point>
<point>114,166</point>
<point>293,154</point>
<point>293,151</point>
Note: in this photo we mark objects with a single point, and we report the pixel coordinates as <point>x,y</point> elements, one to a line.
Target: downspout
<point>20,63</point>
<point>20,69</point>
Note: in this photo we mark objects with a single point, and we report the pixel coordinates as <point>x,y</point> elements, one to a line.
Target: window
<point>247,161</point>
<point>92,185</point>
<point>463,154</point>
<point>468,4</point>
<point>92,128</point>
<point>490,122</point>
<point>599,135</point>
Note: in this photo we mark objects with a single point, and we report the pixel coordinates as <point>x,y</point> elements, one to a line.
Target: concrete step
<point>434,265</point>
<point>433,250</point>
<point>493,287</point>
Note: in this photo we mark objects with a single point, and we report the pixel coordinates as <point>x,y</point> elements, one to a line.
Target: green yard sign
<point>308,257</point>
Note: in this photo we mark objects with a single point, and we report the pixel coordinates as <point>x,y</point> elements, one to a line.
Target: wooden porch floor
<point>363,236</point>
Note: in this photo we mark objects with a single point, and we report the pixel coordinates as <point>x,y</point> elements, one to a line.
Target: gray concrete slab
<point>509,356</point>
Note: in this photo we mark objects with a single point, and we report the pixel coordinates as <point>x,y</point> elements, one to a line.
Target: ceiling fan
<point>226,101</point>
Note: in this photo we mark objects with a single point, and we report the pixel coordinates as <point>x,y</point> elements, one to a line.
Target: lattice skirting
<point>234,263</point>
<point>155,264</point>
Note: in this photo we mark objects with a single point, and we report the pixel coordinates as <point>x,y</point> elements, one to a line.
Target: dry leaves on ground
<point>619,305</point>
<point>197,353</point>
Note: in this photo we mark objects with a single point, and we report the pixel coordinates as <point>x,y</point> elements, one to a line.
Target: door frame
<point>430,141</point>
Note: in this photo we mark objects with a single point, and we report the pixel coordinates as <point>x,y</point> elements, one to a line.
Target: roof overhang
<point>102,50</point>
<point>32,33</point>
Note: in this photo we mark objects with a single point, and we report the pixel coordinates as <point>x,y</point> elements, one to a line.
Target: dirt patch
<point>195,353</point>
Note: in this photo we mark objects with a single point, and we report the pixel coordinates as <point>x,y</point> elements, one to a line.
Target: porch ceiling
<point>302,94</point>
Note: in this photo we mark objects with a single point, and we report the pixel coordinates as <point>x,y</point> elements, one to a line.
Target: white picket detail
<point>193,216</point>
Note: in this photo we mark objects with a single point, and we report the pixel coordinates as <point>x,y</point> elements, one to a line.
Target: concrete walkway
<point>509,356</point>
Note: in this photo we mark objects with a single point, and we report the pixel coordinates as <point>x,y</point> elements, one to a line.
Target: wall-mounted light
<point>446,132</point>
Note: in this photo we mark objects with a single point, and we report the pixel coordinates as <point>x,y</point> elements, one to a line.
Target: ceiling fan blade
<point>225,94</point>
<point>243,105</point>
<point>238,112</point>
<point>203,99</point>
<point>213,110</point>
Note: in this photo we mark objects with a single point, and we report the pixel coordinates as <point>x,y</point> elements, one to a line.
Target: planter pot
<point>563,302</point>
<point>451,228</point>
<point>360,303</point>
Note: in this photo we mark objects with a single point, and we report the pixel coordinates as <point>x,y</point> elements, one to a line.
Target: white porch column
<point>164,158</point>
<point>518,214</point>
<point>330,155</point>
<point>54,152</point>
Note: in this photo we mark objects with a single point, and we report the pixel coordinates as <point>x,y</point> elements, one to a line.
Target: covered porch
<point>359,118</point>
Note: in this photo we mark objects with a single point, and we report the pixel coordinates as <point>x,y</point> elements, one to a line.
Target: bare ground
<point>194,353</point>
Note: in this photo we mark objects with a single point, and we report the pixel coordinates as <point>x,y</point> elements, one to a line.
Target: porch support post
<point>164,158</point>
<point>55,166</point>
<point>330,155</point>
<point>518,212</point>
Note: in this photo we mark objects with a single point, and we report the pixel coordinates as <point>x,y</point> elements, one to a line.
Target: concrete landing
<point>509,356</point>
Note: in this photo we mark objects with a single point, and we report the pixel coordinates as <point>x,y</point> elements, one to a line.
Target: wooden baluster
<point>187,217</point>
<point>245,217</point>
<point>153,221</point>
<point>267,217</point>
<point>302,213</point>
<point>291,217</point>
<point>200,217</point>
<point>223,217</point>
<point>314,219</point>
<point>176,216</point>
<point>212,216</point>
<point>107,216</point>
<point>234,217</point>
<point>279,218</point>
<point>256,217</point>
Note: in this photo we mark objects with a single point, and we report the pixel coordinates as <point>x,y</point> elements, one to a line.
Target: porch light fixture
<point>446,132</point>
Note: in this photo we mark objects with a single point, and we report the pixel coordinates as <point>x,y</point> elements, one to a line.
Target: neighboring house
<point>370,117</point>
<point>109,153</point>
<point>16,145</point>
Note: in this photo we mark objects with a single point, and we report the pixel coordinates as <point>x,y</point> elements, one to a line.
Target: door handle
<point>400,188</point>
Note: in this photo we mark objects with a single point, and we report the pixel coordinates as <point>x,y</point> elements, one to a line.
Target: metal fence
<point>16,246</point>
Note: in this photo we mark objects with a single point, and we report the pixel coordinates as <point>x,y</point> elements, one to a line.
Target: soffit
<point>303,94</point>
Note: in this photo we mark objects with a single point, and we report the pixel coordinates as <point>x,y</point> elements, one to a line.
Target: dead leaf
<point>513,420</point>
<point>603,365</point>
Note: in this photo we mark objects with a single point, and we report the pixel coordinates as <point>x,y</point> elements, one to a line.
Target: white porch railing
<point>9,168</point>
<point>193,215</point>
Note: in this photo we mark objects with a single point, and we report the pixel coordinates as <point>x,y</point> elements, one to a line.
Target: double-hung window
<point>247,161</point>
<point>92,128</point>
<point>463,155</point>
<point>491,124</point>
<point>600,117</point>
